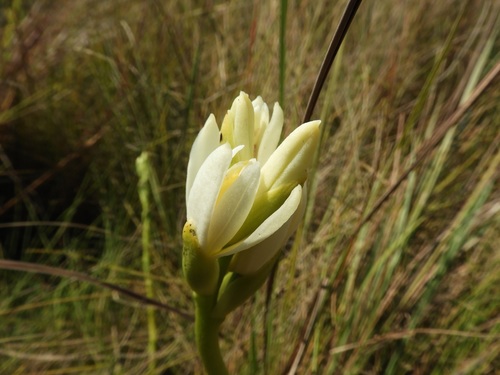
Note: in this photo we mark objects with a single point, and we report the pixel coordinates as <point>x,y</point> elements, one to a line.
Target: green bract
<point>244,191</point>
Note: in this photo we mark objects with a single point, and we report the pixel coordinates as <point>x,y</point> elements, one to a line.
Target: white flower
<point>244,193</point>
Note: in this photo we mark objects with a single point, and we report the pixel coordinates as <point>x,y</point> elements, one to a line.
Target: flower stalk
<point>245,196</point>
<point>144,173</point>
<point>207,335</point>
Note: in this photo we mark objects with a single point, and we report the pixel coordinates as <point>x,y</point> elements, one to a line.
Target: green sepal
<point>235,289</point>
<point>200,270</point>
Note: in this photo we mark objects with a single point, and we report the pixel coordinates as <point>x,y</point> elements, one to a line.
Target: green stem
<point>207,335</point>
<point>144,173</point>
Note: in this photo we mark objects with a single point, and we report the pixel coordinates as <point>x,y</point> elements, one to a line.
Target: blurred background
<point>395,269</point>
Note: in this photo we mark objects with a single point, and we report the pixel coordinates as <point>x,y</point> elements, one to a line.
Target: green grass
<point>395,269</point>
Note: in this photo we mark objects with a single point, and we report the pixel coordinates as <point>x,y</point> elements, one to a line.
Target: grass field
<point>395,269</point>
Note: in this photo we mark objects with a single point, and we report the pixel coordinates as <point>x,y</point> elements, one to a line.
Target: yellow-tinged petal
<point>271,135</point>
<point>251,260</point>
<point>243,126</point>
<point>291,160</point>
<point>276,221</point>
<point>264,205</point>
<point>299,213</point>
<point>235,200</point>
<point>227,128</point>
<point>261,119</point>
<point>206,141</point>
<point>205,189</point>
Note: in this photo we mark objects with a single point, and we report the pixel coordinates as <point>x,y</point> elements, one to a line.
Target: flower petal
<point>205,189</point>
<point>233,204</point>
<point>227,127</point>
<point>269,226</point>
<point>299,213</point>
<point>243,126</point>
<point>271,135</point>
<point>292,158</point>
<point>206,141</point>
<point>251,260</point>
<point>261,119</point>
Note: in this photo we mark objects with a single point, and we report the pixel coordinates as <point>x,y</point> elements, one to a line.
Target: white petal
<point>205,189</point>
<point>237,149</point>
<point>261,118</point>
<point>233,206</point>
<point>271,136</point>
<point>292,158</point>
<point>243,126</point>
<point>206,141</point>
<point>257,103</point>
<point>299,213</point>
<point>251,260</point>
<point>271,225</point>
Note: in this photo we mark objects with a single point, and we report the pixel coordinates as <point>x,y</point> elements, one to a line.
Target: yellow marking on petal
<point>231,176</point>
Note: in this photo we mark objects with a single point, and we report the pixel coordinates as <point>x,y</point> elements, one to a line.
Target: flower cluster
<point>245,192</point>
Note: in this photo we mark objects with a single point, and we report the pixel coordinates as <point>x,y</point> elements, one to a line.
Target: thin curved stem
<point>338,37</point>
<point>16,265</point>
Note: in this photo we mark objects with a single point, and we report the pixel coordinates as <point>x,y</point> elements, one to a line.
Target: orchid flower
<point>245,191</point>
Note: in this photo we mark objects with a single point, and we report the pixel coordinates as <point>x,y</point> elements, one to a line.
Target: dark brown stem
<point>338,37</point>
<point>14,265</point>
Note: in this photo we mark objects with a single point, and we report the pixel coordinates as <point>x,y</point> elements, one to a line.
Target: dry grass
<point>403,284</point>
